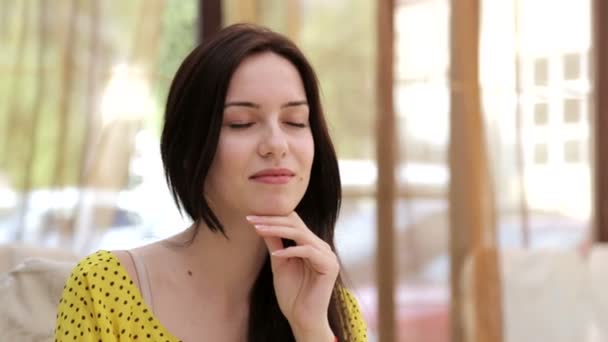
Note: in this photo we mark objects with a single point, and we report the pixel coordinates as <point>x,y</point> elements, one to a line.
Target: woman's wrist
<point>314,335</point>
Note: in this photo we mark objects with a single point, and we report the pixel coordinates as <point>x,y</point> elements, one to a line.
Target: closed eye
<point>297,124</point>
<point>240,125</point>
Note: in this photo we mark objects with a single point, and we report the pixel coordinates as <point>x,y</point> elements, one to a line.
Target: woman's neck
<point>226,268</point>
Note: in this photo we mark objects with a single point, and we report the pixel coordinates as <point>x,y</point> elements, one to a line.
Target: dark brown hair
<point>189,141</point>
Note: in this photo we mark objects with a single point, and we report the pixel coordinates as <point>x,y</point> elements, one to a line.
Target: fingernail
<point>278,252</point>
<point>258,227</point>
<point>250,218</point>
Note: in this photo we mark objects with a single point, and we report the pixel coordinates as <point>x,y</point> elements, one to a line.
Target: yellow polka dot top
<point>100,302</point>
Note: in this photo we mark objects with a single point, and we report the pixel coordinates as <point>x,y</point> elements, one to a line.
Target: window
<point>541,114</point>
<point>572,110</point>
<point>541,154</point>
<point>541,71</point>
<point>572,66</point>
<point>572,152</point>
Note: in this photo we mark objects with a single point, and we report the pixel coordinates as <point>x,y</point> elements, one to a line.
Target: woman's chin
<point>273,209</point>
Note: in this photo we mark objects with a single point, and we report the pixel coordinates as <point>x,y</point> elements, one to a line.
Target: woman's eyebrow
<point>241,104</point>
<point>295,104</point>
<point>257,106</point>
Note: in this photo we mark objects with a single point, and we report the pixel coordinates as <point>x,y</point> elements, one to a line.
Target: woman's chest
<point>194,326</point>
<point>193,318</point>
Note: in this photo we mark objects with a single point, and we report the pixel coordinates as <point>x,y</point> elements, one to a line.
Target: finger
<point>299,236</point>
<point>322,262</point>
<point>294,221</point>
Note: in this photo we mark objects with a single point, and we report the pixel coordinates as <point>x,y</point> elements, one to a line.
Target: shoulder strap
<point>142,276</point>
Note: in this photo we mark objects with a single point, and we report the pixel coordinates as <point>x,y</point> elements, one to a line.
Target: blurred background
<point>488,107</point>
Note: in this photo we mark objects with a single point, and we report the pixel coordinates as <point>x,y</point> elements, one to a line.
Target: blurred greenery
<point>178,38</point>
<point>50,92</point>
<point>339,39</point>
<point>34,64</point>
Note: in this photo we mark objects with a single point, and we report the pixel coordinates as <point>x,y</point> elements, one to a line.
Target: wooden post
<point>471,202</point>
<point>385,151</point>
<point>600,117</point>
<point>209,18</point>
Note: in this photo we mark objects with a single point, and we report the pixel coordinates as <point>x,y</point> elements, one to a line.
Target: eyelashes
<point>296,124</point>
<point>245,125</point>
<point>240,125</point>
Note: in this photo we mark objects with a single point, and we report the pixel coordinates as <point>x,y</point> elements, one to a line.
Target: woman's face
<point>265,151</point>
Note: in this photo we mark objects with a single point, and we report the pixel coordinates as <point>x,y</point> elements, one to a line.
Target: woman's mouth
<point>273,176</point>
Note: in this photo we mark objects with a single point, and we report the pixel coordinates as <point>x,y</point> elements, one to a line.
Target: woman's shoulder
<point>100,302</point>
<point>98,274</point>
<point>100,258</point>
<point>97,266</point>
<point>99,284</point>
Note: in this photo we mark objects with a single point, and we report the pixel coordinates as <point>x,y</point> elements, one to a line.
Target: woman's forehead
<point>266,76</point>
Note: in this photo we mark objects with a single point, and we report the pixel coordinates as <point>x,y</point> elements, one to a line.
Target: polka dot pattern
<point>356,327</point>
<point>100,302</point>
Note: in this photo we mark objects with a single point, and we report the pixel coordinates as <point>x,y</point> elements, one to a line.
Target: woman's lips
<point>273,176</point>
<point>279,179</point>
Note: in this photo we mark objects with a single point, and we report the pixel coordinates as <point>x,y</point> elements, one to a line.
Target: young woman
<point>248,157</point>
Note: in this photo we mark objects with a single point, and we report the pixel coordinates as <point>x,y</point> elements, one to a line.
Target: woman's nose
<point>273,142</point>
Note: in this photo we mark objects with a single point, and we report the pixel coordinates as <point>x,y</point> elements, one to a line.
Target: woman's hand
<point>304,275</point>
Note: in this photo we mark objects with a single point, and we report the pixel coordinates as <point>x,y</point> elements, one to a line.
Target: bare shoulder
<point>126,261</point>
<point>146,253</point>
